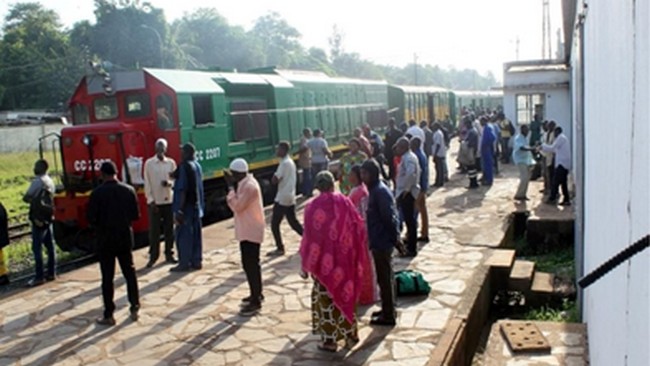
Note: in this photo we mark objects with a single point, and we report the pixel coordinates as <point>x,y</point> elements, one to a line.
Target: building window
<point>137,105</point>
<point>105,108</point>
<point>164,112</point>
<point>249,126</point>
<point>529,105</point>
<point>202,105</point>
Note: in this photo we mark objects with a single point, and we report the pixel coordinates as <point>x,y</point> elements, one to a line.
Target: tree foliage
<point>41,62</point>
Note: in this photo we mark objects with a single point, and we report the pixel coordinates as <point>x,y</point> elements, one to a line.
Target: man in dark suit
<point>112,208</point>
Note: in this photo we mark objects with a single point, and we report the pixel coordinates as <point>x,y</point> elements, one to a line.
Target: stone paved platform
<point>192,318</point>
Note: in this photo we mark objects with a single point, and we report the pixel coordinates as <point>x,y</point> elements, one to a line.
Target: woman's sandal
<point>327,347</point>
<point>351,342</point>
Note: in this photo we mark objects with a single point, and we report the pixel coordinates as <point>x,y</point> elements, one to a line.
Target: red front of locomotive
<point>117,126</point>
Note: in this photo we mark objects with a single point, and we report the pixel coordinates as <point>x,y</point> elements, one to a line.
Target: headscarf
<point>333,249</point>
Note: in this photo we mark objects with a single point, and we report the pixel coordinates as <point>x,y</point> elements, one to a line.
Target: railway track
<point>19,231</point>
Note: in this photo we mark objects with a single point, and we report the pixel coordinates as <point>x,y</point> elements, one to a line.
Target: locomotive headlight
<point>87,140</point>
<point>67,141</point>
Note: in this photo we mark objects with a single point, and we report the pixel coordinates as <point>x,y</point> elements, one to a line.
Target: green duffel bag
<point>411,283</point>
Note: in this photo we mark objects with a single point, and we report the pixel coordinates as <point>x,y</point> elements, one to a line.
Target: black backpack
<point>41,207</point>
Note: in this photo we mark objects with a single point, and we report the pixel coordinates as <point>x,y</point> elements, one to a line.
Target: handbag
<point>411,283</point>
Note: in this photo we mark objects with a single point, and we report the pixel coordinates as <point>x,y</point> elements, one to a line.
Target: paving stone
<point>233,357</point>
<point>455,287</point>
<point>209,359</point>
<point>449,300</point>
<point>434,319</point>
<point>253,335</point>
<point>404,350</point>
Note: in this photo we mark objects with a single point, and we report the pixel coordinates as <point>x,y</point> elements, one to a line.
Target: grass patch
<point>20,259</point>
<point>15,175</point>
<point>567,312</point>
<point>560,261</point>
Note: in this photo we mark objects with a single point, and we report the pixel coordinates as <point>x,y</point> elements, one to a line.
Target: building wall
<point>613,179</point>
<point>25,138</point>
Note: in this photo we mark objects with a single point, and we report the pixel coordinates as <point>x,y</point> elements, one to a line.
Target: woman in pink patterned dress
<point>333,250</point>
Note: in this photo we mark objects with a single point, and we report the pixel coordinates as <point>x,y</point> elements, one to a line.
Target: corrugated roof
<point>187,81</point>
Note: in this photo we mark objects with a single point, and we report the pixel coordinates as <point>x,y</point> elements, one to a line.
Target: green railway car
<point>420,103</point>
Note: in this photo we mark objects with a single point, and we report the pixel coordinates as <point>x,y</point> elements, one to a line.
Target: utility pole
<point>415,69</point>
<point>546,30</point>
<point>517,49</point>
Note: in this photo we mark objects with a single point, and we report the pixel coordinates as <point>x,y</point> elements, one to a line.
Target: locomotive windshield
<point>105,108</point>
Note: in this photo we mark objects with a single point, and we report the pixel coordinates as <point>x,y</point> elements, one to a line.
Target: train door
<point>167,122</point>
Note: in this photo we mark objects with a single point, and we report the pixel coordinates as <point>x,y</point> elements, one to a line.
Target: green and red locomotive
<point>119,116</point>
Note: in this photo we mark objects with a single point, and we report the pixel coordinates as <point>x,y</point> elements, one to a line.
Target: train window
<point>249,126</point>
<point>202,106</point>
<point>80,115</point>
<point>137,105</point>
<point>164,112</point>
<point>105,108</point>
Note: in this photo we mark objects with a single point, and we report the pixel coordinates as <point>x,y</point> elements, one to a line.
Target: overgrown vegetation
<point>559,262</point>
<point>567,312</point>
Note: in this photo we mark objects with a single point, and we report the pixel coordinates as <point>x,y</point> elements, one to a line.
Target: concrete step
<point>542,289</point>
<point>521,275</point>
<point>500,263</point>
<point>543,283</point>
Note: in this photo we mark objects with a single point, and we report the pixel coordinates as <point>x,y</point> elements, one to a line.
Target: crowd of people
<point>537,149</point>
<point>351,229</point>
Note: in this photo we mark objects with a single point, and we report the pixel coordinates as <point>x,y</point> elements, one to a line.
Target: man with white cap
<point>158,190</point>
<point>245,200</point>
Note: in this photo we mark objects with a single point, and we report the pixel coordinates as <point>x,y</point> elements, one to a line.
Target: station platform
<point>191,318</point>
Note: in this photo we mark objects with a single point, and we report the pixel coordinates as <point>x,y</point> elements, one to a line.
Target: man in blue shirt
<point>188,208</point>
<point>522,157</point>
<point>383,235</point>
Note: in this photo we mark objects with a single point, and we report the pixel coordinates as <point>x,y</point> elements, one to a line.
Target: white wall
<point>25,138</point>
<point>616,179</point>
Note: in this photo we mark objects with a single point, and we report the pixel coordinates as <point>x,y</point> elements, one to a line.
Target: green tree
<point>130,34</point>
<point>279,41</point>
<point>207,39</point>
<point>36,60</point>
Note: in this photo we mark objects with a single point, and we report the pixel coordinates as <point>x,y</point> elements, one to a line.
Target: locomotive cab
<point>117,122</point>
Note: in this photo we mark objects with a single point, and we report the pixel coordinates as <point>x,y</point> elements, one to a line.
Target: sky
<point>475,34</point>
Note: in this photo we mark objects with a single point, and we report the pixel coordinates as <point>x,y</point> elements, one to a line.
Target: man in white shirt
<point>439,152</point>
<point>285,199</point>
<point>415,131</point>
<point>158,190</point>
<point>562,150</point>
<point>407,189</point>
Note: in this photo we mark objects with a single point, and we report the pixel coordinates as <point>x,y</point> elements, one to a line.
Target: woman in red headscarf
<point>334,252</point>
